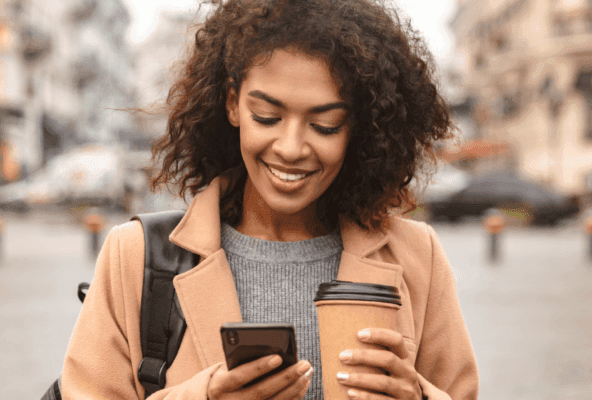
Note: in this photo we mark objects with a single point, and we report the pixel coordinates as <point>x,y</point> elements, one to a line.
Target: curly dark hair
<point>386,76</point>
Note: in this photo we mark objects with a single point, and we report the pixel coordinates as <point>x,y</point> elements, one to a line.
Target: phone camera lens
<point>232,337</point>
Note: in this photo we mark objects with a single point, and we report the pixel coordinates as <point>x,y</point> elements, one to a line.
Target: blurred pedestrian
<point>296,128</point>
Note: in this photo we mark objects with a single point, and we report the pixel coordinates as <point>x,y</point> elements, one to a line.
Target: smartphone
<point>245,341</point>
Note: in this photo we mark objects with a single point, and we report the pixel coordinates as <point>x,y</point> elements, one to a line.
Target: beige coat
<point>104,352</point>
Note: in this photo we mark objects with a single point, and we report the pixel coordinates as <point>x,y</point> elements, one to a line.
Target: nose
<point>291,143</point>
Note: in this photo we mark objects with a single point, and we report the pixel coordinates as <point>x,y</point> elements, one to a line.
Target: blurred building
<point>525,68</point>
<point>63,66</point>
<point>24,44</point>
<point>157,61</point>
<point>102,69</point>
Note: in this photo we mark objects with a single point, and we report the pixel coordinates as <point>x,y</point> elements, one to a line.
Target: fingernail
<point>345,355</point>
<point>352,393</point>
<point>275,361</point>
<point>303,367</point>
<point>364,334</point>
<point>309,372</point>
<point>342,376</point>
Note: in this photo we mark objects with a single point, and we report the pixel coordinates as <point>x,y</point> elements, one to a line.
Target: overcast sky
<point>428,16</point>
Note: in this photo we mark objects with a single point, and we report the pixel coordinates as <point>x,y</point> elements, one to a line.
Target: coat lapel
<point>208,298</point>
<point>207,293</point>
<point>360,261</point>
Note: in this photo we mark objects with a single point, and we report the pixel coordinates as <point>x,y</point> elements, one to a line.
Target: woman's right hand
<point>291,383</point>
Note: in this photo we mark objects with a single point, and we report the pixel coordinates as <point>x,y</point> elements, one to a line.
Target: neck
<point>261,222</point>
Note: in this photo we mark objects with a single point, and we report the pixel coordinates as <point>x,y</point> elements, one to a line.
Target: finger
<point>391,386</point>
<point>357,394</point>
<point>278,382</point>
<point>388,338</point>
<point>302,393</point>
<point>384,359</point>
<point>243,374</point>
<point>297,390</point>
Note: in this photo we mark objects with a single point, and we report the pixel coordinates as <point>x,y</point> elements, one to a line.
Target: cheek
<point>251,143</point>
<point>333,154</point>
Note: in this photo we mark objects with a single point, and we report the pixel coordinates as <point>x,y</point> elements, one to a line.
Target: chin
<point>281,206</point>
<point>285,209</point>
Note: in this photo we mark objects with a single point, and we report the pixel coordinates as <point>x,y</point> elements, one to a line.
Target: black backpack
<point>162,324</point>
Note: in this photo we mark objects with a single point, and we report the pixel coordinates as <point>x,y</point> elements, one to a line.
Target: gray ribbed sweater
<point>277,282</point>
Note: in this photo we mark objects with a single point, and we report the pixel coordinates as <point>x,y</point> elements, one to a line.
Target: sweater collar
<point>199,229</point>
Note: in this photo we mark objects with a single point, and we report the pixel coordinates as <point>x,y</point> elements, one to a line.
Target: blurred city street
<point>529,315</point>
<point>516,75</point>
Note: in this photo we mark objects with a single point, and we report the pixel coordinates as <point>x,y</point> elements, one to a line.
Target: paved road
<point>43,259</point>
<point>529,317</point>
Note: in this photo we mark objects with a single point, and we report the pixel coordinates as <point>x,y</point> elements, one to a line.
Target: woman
<point>296,127</point>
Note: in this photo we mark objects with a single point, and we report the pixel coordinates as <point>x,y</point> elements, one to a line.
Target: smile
<point>288,177</point>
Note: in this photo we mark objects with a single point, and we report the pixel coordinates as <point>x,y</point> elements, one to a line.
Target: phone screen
<point>244,342</point>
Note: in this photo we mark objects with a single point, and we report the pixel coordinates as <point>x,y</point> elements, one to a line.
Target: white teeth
<point>286,177</point>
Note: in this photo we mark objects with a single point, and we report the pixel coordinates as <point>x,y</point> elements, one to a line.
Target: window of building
<point>93,119</point>
<point>588,128</point>
<point>561,26</point>
<point>584,82</point>
<point>17,7</point>
<point>546,85</point>
<point>31,87</point>
<point>510,104</point>
<point>480,60</point>
<point>499,42</point>
<point>588,182</point>
<point>588,20</point>
<point>584,86</point>
<point>84,10</point>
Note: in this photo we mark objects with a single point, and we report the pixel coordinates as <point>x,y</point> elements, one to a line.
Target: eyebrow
<point>314,110</point>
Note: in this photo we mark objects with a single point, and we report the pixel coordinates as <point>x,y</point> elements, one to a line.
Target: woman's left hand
<point>400,383</point>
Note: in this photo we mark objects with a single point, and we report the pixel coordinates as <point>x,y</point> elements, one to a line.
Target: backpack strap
<point>54,392</point>
<point>162,324</point>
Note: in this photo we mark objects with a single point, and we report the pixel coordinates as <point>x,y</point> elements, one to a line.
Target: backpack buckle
<point>152,370</point>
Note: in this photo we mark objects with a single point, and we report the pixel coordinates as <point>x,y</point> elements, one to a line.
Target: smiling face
<point>293,130</point>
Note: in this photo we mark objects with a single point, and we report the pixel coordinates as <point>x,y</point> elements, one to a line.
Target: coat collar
<point>199,230</point>
<point>207,293</point>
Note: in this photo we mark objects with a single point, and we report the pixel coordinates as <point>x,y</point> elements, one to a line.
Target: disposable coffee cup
<point>343,309</point>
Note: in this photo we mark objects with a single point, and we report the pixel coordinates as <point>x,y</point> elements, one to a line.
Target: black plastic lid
<point>343,290</point>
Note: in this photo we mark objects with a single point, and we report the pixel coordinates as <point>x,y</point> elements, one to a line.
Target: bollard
<point>494,224</point>
<point>94,223</point>
<point>1,234</point>
<point>588,226</point>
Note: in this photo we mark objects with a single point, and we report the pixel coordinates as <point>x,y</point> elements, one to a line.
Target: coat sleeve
<point>445,361</point>
<point>194,388</point>
<point>98,362</point>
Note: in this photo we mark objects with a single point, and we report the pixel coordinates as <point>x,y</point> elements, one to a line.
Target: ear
<point>232,107</point>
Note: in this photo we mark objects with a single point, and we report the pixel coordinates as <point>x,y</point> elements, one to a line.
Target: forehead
<point>293,75</point>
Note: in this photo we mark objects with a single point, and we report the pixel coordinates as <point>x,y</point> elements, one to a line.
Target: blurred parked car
<point>516,196</point>
<point>446,181</point>
<point>87,176</point>
<point>139,167</point>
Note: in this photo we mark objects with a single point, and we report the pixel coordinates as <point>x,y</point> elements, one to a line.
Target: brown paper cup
<point>339,323</point>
